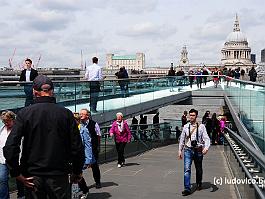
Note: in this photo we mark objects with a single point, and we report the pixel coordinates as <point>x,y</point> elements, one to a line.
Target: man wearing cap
<point>51,142</point>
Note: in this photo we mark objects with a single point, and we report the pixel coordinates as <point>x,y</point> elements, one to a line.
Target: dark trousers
<point>49,187</point>
<point>29,95</point>
<point>120,150</point>
<point>95,168</point>
<point>20,189</point>
<point>83,186</point>
<point>205,80</point>
<point>94,93</point>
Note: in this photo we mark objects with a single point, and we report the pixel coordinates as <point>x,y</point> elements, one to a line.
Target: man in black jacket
<point>51,142</point>
<point>27,75</point>
<point>95,134</point>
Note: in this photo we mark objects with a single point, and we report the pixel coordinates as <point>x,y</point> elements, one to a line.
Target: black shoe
<point>186,193</point>
<point>98,185</point>
<point>199,187</point>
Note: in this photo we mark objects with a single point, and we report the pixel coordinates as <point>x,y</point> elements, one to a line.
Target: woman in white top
<point>8,118</point>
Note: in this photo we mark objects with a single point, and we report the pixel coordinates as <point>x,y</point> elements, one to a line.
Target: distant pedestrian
<point>215,129</point>
<point>123,75</point>
<point>122,136</point>
<point>171,78</point>
<point>199,78</point>
<point>205,73</point>
<point>94,75</point>
<point>216,77</point>
<point>184,119</point>
<point>191,77</point>
<point>252,74</point>
<point>134,128</point>
<point>28,75</point>
<point>207,121</point>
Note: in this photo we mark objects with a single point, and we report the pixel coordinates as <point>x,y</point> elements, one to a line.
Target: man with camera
<point>195,142</point>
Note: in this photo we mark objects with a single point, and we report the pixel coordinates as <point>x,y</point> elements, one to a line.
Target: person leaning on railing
<point>122,134</point>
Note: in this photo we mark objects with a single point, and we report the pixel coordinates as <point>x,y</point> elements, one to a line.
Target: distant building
<point>253,58</point>
<point>263,56</point>
<point>236,52</point>
<point>130,62</point>
<point>184,61</point>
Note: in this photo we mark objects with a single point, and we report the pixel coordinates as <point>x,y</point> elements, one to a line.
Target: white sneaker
<point>84,196</point>
<point>119,165</point>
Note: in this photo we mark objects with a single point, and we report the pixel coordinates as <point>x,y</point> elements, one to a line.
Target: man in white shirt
<point>94,75</point>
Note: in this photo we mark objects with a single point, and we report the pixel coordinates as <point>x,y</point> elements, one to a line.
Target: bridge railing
<point>247,165</point>
<point>144,137</point>
<point>247,99</point>
<point>113,92</point>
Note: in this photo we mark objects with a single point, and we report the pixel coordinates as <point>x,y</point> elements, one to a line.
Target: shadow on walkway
<point>205,185</point>
<point>131,164</point>
<point>105,184</point>
<point>103,195</point>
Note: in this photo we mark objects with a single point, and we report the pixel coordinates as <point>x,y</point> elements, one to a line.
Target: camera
<point>194,143</point>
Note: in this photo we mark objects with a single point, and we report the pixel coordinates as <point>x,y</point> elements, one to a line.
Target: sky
<point>57,30</point>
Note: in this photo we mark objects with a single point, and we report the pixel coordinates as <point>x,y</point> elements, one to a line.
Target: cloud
<point>44,20</point>
<point>147,30</point>
<point>59,4</point>
<point>211,31</point>
<point>133,6</point>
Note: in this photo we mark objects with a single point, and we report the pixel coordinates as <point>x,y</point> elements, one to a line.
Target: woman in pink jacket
<point>120,130</point>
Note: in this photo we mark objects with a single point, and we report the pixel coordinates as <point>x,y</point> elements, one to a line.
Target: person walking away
<point>184,119</point>
<point>230,75</point>
<point>122,75</point>
<point>171,78</point>
<point>199,78</point>
<point>8,118</point>
<point>195,142</point>
<point>215,128</point>
<point>222,127</point>
<point>94,130</point>
<point>94,76</point>
<point>215,77</point>
<point>156,126</point>
<point>51,142</point>
<point>28,75</point>
<point>252,74</point>
<point>207,121</point>
<point>134,128</point>
<point>122,136</point>
<point>180,77</point>
<point>205,73</point>
<point>191,78</point>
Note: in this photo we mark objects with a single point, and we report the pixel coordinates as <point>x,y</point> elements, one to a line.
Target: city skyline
<point>59,29</point>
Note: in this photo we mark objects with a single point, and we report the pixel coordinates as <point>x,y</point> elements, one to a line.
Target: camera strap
<point>192,131</point>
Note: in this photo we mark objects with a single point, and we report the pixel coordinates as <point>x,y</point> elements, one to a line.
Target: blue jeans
<point>4,191</point>
<point>190,155</point>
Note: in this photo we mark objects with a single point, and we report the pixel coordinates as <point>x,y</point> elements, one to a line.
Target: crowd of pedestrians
<point>46,143</point>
